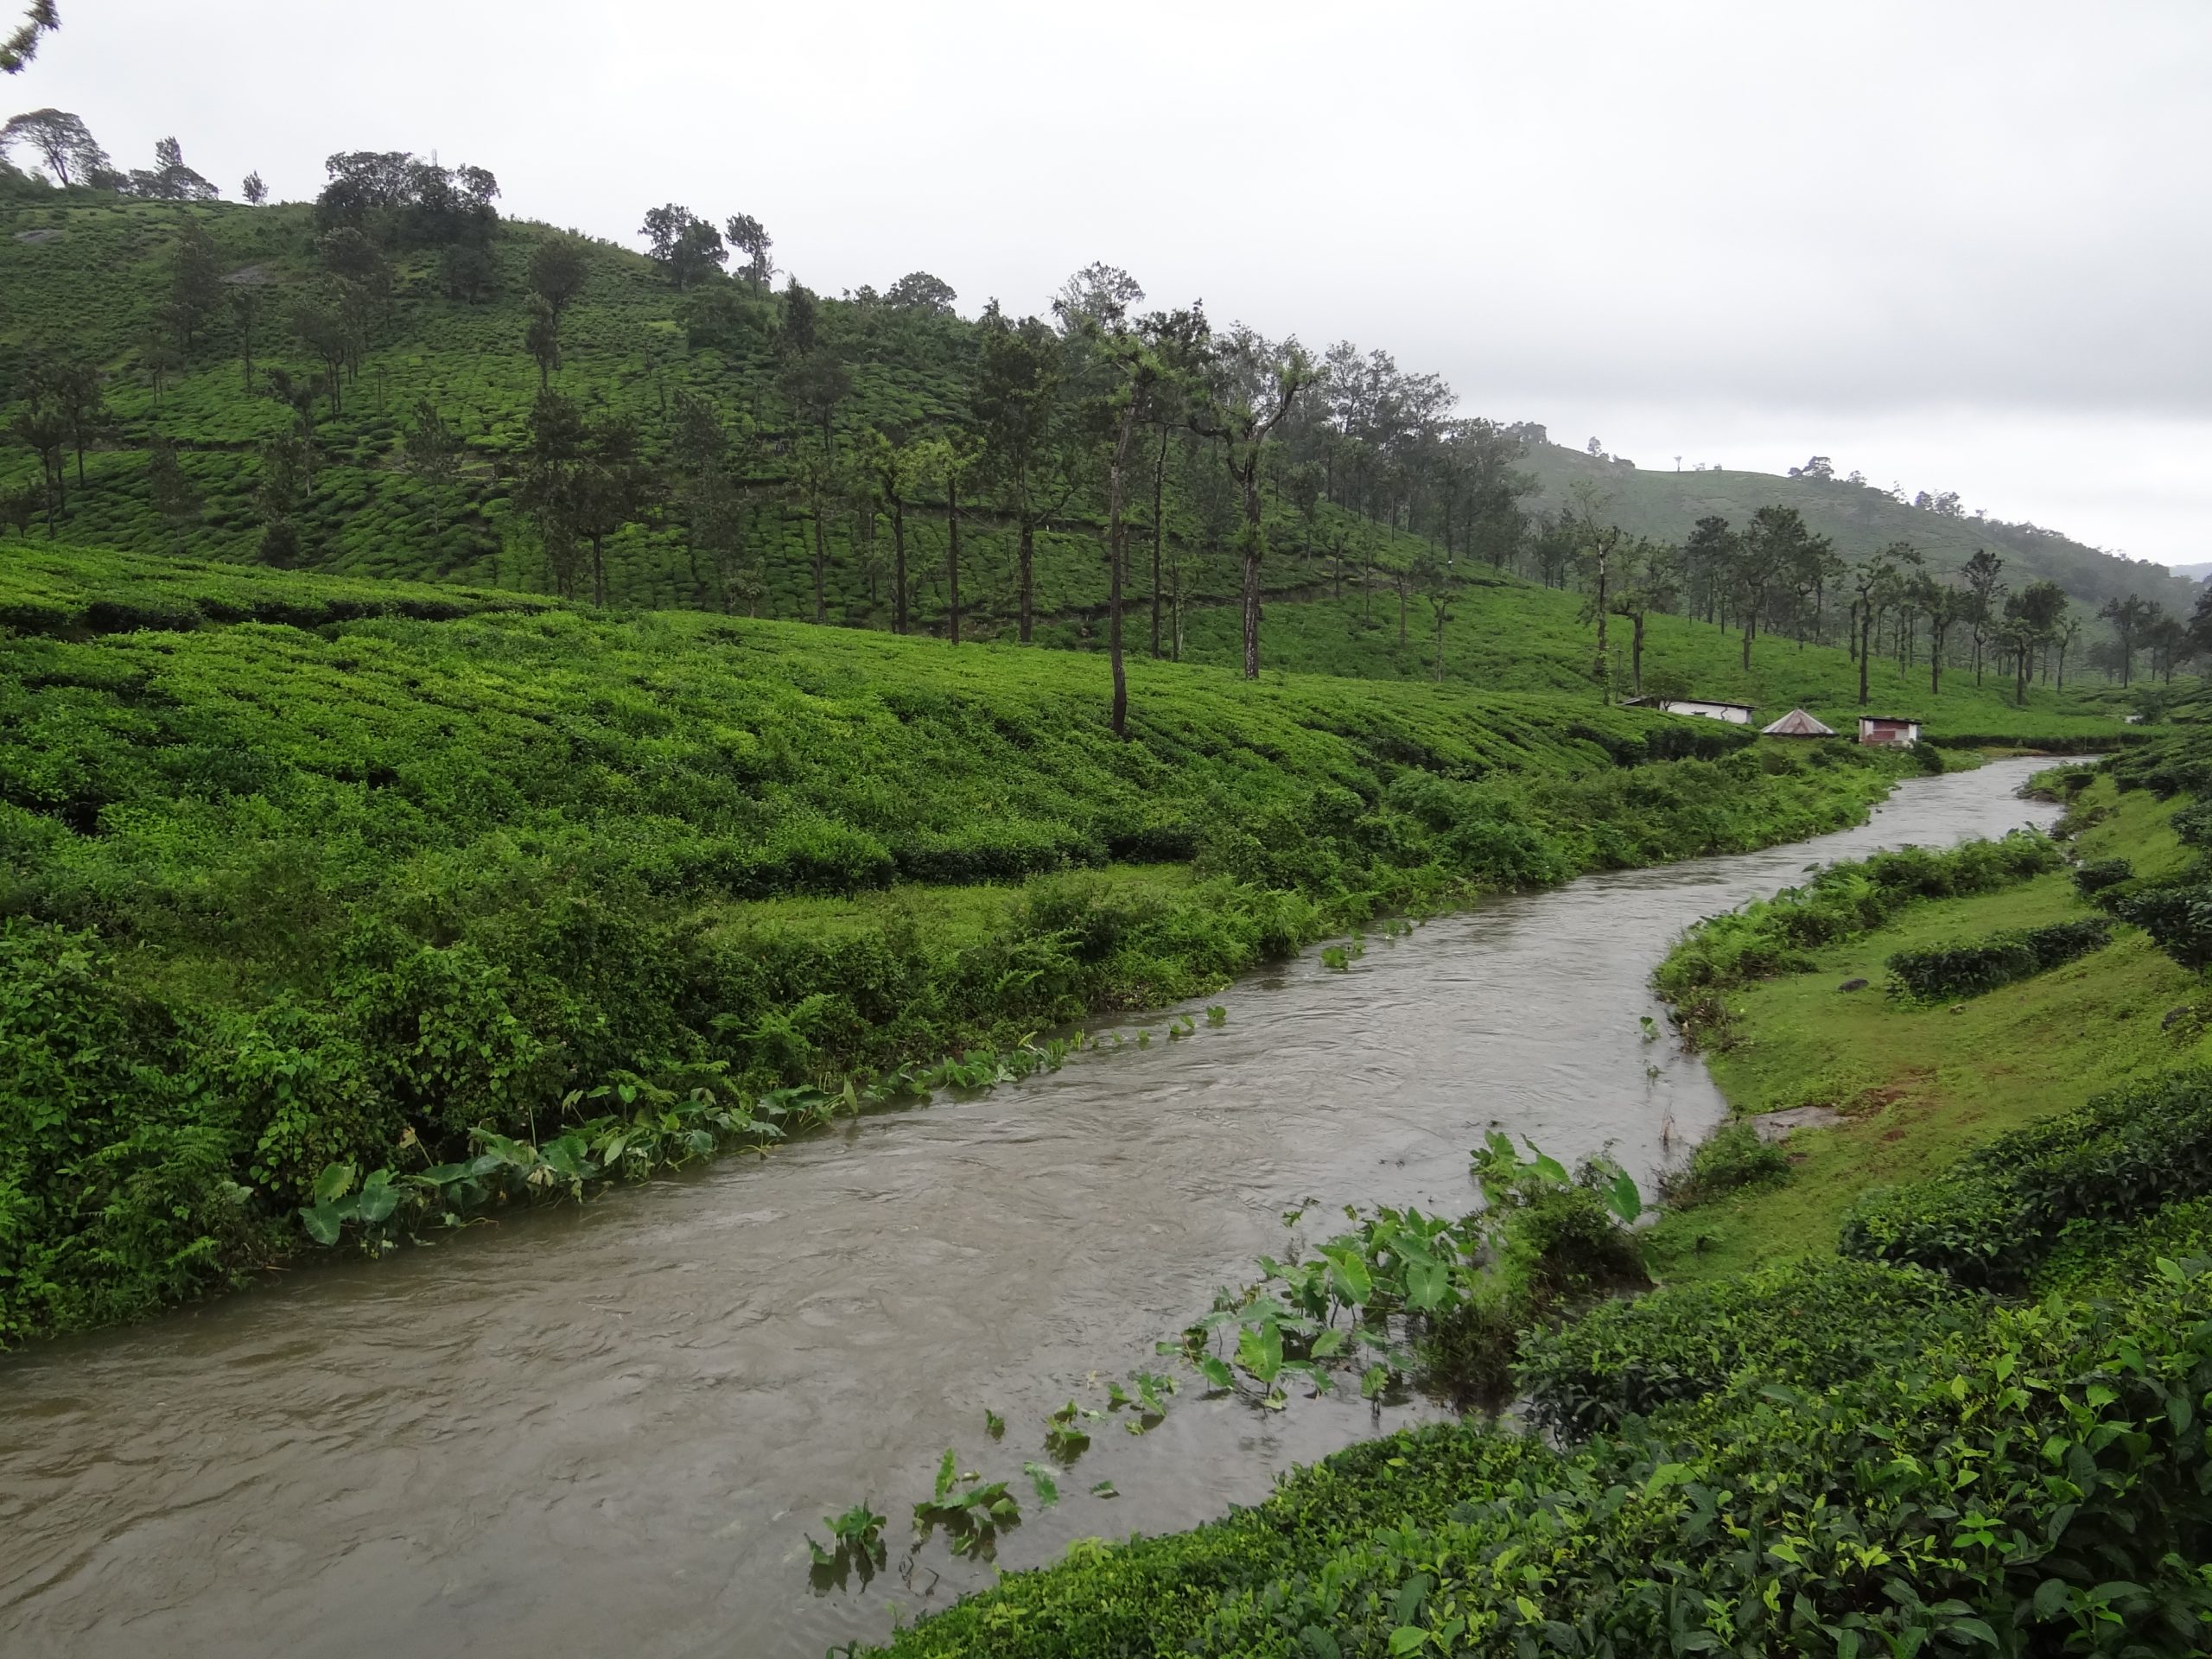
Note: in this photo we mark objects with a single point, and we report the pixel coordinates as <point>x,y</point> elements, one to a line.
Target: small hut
<point>1735,714</point>
<point>1797,723</point>
<point>1888,731</point>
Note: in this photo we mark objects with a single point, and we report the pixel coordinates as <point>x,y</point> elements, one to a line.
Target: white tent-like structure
<point>1797,723</point>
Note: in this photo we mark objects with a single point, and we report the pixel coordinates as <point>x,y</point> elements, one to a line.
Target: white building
<point>1735,714</point>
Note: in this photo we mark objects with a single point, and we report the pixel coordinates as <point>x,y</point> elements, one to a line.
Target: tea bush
<point>1733,1157</point>
<point>1990,1219</point>
<point>1804,1325</point>
<point>1842,901</point>
<point>2179,918</point>
<point>1948,970</point>
<point>2034,1481</point>
<point>2100,874</point>
<point>381,870</point>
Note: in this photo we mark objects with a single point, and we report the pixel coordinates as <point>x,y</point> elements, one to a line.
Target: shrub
<point>1805,1325</point>
<point>1734,1157</point>
<point>1840,902</point>
<point>2178,919</point>
<point>1996,1213</point>
<point>2040,1472</point>
<point>2099,874</point>
<point>1964,970</point>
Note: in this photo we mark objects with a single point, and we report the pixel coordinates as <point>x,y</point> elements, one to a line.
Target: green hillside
<point>1859,518</point>
<point>297,871</point>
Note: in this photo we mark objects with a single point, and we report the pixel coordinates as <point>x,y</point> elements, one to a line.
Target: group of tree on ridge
<point>1077,417</point>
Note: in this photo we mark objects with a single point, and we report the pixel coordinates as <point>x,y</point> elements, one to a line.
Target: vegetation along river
<point>605,1429</point>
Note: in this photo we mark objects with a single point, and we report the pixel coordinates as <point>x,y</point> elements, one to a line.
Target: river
<point>605,1428</point>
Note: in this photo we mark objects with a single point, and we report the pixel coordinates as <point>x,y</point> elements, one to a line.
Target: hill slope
<point>1858,518</point>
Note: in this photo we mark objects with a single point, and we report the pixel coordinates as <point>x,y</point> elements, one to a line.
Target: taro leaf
<point>567,1156</point>
<point>1215,1372</point>
<point>1426,1284</point>
<point>1548,1167</point>
<point>377,1199</point>
<point>335,1181</point>
<point>1105,1489</point>
<point>1116,1396</point>
<point>322,1222</point>
<point>993,1425</point>
<point>1312,1374</point>
<point>1328,1344</point>
<point>822,1557</point>
<point>1259,1349</point>
<point>1373,1381</point>
<point>443,1174</point>
<point>946,1471</point>
<point>1040,1477</point>
<point>1627,1202</point>
<point>1348,1274</point>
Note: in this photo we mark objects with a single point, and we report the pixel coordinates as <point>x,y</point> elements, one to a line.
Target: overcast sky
<point>1958,245</point>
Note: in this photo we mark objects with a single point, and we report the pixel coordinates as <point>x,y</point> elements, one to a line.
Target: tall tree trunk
<point>1159,488</point>
<point>952,554</point>
<point>598,574</point>
<point>898,565</point>
<point>1635,654</point>
<point>821,563</point>
<point>1254,547</point>
<point>1865,628</point>
<point>1117,472</point>
<point>1027,582</point>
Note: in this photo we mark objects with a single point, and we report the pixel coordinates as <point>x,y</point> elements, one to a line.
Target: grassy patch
<point>1918,1086</point>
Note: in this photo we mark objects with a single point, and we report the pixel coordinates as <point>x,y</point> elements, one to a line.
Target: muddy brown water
<point>604,1429</point>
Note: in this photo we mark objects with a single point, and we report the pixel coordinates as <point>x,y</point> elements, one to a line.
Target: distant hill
<point>1858,518</point>
<point>2194,572</point>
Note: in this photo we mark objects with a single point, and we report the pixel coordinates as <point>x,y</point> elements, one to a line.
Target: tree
<point>323,333</point>
<point>1983,587</point>
<point>583,482</point>
<point>1596,542</point>
<point>1819,467</point>
<point>1873,587</point>
<point>432,450</point>
<point>685,246</point>
<point>62,141</point>
<point>283,482</point>
<point>897,471</point>
<point>170,179</point>
<point>1774,543</point>
<point>171,490</point>
<point>558,271</point>
<point>1095,299</point>
<point>921,292</point>
<point>159,357</point>
<point>750,237</point>
<point>254,190</point>
<point>81,399</point>
<point>39,426</point>
<point>1256,383</point>
<point>195,282</point>
<point>2129,616</point>
<point>1645,580</point>
<point>1433,578</point>
<point>1943,605</point>
<point>18,508</point>
<point>541,339</point>
<point>2068,632</point>
<point>20,47</point>
<point>946,462</point>
<point>245,311</point>
<point>610,489</point>
<point>1709,557</point>
<point>1022,418</point>
<point>712,501</point>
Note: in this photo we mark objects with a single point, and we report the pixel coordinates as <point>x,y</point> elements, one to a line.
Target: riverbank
<point>1896,1092</point>
<point>325,920</point>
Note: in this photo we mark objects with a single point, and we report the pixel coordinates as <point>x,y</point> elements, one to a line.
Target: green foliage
<point>1842,901</point>
<point>2031,1481</point>
<point>1992,1217</point>
<point>1807,1325</point>
<point>367,875</point>
<point>1971,969</point>
<point>1733,1157</point>
<point>2099,875</point>
<point>2177,917</point>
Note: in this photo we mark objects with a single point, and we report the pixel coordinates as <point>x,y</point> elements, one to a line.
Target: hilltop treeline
<point>395,381</point>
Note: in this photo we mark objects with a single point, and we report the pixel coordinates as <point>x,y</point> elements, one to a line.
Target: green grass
<point>1920,1085</point>
<point>409,865</point>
